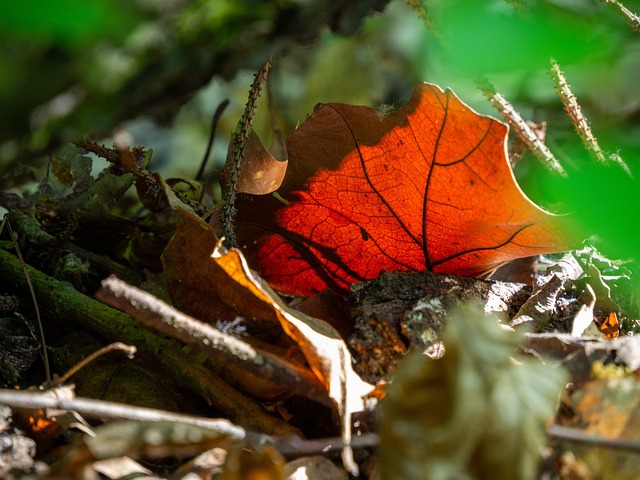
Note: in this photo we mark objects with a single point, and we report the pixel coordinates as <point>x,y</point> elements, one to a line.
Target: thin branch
<point>520,127</point>
<point>154,313</point>
<point>579,121</point>
<point>238,142</point>
<point>296,447</point>
<point>129,350</point>
<point>43,344</point>
<point>113,411</point>
<point>631,18</point>
<point>580,436</point>
<point>212,133</point>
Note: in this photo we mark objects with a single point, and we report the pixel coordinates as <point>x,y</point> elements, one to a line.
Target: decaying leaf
<point>194,282</point>
<point>202,284</point>
<point>427,187</point>
<point>313,468</point>
<point>324,349</point>
<point>139,439</point>
<point>471,414</point>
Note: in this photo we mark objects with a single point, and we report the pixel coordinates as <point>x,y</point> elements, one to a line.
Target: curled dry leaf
<point>260,172</point>
<point>195,283</point>
<point>226,285</point>
<point>427,187</point>
<point>321,344</point>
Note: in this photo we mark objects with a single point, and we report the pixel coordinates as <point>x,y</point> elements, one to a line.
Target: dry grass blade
<point>129,350</point>
<point>43,344</point>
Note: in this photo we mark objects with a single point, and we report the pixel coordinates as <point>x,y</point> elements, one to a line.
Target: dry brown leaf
<point>198,287</point>
<point>320,343</point>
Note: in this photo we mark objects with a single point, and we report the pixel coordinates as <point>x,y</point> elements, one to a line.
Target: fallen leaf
<point>224,283</point>
<point>195,285</point>
<point>322,346</point>
<point>427,187</point>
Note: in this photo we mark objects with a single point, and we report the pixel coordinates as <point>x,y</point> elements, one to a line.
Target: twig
<point>23,265</point>
<point>301,447</point>
<point>579,121</point>
<point>212,133</point>
<point>113,411</point>
<point>520,127</point>
<point>156,314</point>
<point>631,18</point>
<point>62,300</point>
<point>279,138</point>
<point>238,143</point>
<point>128,349</point>
<point>580,436</point>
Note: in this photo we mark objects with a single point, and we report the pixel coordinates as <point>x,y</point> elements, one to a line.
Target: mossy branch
<point>62,300</point>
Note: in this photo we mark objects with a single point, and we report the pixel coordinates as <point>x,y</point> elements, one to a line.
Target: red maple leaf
<point>427,187</point>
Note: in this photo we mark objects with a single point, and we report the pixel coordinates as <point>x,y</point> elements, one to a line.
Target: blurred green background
<point>152,72</point>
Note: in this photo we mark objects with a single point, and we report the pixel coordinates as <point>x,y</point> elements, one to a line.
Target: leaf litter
<point>484,391</point>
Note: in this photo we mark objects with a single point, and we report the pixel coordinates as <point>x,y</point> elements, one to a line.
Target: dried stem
<point>23,265</point>
<point>114,411</point>
<point>212,133</point>
<point>580,436</point>
<point>156,314</point>
<point>520,127</point>
<point>580,122</point>
<point>239,142</point>
<point>128,349</point>
<point>631,18</point>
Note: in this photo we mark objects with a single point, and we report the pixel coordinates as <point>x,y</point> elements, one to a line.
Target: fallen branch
<point>101,409</point>
<point>153,313</point>
<point>62,300</point>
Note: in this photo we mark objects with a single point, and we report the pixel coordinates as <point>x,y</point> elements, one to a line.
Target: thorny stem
<point>520,127</point>
<point>43,344</point>
<point>631,18</point>
<point>239,142</point>
<point>579,121</point>
<point>420,7</point>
